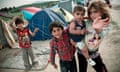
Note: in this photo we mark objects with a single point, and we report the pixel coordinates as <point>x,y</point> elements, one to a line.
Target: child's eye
<point>57,30</point>
<point>54,30</point>
<point>82,14</point>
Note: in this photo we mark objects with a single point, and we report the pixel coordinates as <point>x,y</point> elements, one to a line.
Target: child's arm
<point>73,30</point>
<point>52,54</point>
<point>34,32</point>
<point>83,31</point>
<point>11,23</point>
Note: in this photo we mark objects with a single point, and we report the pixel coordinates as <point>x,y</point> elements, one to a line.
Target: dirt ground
<point>109,48</point>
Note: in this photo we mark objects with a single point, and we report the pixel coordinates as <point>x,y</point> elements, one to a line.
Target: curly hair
<point>55,24</point>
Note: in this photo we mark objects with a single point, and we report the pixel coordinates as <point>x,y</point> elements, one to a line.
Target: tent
<point>28,12</point>
<point>6,38</point>
<point>67,15</point>
<point>42,19</point>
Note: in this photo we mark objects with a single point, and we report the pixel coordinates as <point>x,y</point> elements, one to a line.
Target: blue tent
<point>42,19</point>
<point>27,15</point>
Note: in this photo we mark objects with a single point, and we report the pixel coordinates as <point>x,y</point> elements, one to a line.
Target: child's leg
<point>32,56</point>
<point>86,54</point>
<point>100,66</point>
<point>81,45</point>
<point>82,63</point>
<point>63,66</point>
<point>26,58</point>
<point>73,67</point>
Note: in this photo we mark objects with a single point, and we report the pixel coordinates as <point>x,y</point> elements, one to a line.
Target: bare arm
<point>11,23</point>
<point>34,32</point>
<point>73,30</point>
<point>52,54</point>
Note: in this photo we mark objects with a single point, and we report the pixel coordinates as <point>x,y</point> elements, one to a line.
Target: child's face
<point>20,26</point>
<point>94,13</point>
<point>57,32</point>
<point>79,15</point>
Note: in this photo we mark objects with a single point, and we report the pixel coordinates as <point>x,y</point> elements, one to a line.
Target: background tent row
<point>28,12</point>
<point>41,18</point>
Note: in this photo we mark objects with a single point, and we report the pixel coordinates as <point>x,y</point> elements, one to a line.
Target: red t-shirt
<point>23,38</point>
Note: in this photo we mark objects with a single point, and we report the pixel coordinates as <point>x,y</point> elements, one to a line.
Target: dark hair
<point>55,24</point>
<point>18,21</point>
<point>78,8</point>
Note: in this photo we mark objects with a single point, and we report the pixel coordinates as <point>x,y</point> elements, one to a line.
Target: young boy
<point>77,29</point>
<point>24,41</point>
<point>60,43</point>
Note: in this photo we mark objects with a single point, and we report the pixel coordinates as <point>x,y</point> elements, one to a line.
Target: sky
<point>12,3</point>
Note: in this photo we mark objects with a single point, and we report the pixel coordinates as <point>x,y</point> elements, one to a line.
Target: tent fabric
<point>32,9</point>
<point>67,15</point>
<point>27,15</point>
<point>28,12</point>
<point>42,19</point>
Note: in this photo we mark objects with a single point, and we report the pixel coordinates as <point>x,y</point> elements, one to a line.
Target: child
<point>77,31</point>
<point>60,43</point>
<point>98,26</point>
<point>24,41</point>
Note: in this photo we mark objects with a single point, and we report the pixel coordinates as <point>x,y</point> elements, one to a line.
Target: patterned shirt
<point>23,37</point>
<point>93,39</point>
<point>63,47</point>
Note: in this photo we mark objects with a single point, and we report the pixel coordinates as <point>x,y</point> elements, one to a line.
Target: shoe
<point>91,62</point>
<point>27,68</point>
<point>35,63</point>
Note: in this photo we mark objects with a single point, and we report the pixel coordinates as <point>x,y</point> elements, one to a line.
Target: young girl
<point>99,25</point>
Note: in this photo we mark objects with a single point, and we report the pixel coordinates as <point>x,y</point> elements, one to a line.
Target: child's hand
<point>55,66</point>
<point>99,23</point>
<point>72,42</point>
<point>83,31</point>
<point>36,30</point>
